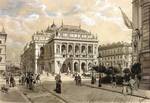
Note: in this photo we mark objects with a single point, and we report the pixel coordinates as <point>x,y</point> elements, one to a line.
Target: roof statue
<point>3,30</point>
<point>80,25</point>
<point>53,25</point>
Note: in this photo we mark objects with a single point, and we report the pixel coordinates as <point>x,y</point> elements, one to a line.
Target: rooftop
<point>114,45</point>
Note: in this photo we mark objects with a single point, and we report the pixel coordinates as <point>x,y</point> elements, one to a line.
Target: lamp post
<point>99,69</point>
<point>92,79</point>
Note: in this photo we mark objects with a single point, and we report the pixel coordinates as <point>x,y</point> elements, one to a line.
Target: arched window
<point>0,59</point>
<point>83,67</point>
<point>58,49</point>
<point>0,50</point>
<point>83,50</point>
<point>76,67</point>
<point>41,50</point>
<point>90,50</point>
<point>64,68</point>
<point>70,48</point>
<point>63,48</point>
<point>76,49</point>
<point>69,66</point>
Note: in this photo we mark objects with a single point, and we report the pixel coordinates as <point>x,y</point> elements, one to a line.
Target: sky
<point>21,18</point>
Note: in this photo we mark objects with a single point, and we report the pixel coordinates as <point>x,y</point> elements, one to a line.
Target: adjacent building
<point>116,54</point>
<point>68,48</point>
<point>141,20</point>
<point>3,37</point>
<point>31,52</point>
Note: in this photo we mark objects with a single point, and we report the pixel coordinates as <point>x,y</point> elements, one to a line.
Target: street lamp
<point>99,69</point>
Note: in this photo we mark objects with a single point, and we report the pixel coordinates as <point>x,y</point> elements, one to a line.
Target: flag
<point>126,20</point>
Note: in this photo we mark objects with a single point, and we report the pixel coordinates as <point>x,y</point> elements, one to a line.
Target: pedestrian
<point>12,81</point>
<point>7,80</point>
<point>99,81</point>
<point>47,74</point>
<point>113,80</point>
<point>27,81</point>
<point>125,86</point>
<point>23,79</point>
<point>31,82</point>
<point>76,79</point>
<point>79,80</point>
<point>38,78</point>
<point>58,89</point>
<point>92,80</point>
<point>34,79</point>
<point>57,78</point>
<point>132,84</point>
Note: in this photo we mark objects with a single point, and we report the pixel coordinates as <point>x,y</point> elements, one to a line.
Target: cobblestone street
<point>83,94</point>
<point>44,93</point>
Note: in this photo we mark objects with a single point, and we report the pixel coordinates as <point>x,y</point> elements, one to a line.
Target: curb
<point>61,98</point>
<point>144,97</point>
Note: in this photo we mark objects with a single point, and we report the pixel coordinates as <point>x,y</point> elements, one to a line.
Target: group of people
<point>10,82</point>
<point>130,82</point>
<point>78,79</point>
<point>29,79</point>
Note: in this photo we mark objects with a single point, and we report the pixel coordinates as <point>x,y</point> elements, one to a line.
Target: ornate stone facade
<point>31,52</point>
<point>3,37</point>
<point>116,55</point>
<point>70,48</point>
<point>60,49</point>
<point>141,19</point>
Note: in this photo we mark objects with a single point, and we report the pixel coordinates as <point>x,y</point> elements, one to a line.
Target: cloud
<point>87,20</point>
<point>74,10</point>
<point>33,17</point>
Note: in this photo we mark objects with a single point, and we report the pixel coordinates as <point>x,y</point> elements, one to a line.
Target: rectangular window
<point>0,50</point>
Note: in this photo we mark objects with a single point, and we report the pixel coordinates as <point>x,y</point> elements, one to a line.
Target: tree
<point>136,68</point>
<point>99,69</point>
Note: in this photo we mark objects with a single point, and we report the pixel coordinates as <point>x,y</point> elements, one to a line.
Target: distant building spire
<point>3,29</point>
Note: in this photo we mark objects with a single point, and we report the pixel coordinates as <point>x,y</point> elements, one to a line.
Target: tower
<point>3,37</point>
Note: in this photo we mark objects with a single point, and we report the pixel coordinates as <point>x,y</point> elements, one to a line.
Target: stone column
<point>72,64</point>
<point>60,48</point>
<point>35,71</point>
<point>67,50</point>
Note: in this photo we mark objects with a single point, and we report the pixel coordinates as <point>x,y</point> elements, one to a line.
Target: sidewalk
<point>139,93</point>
